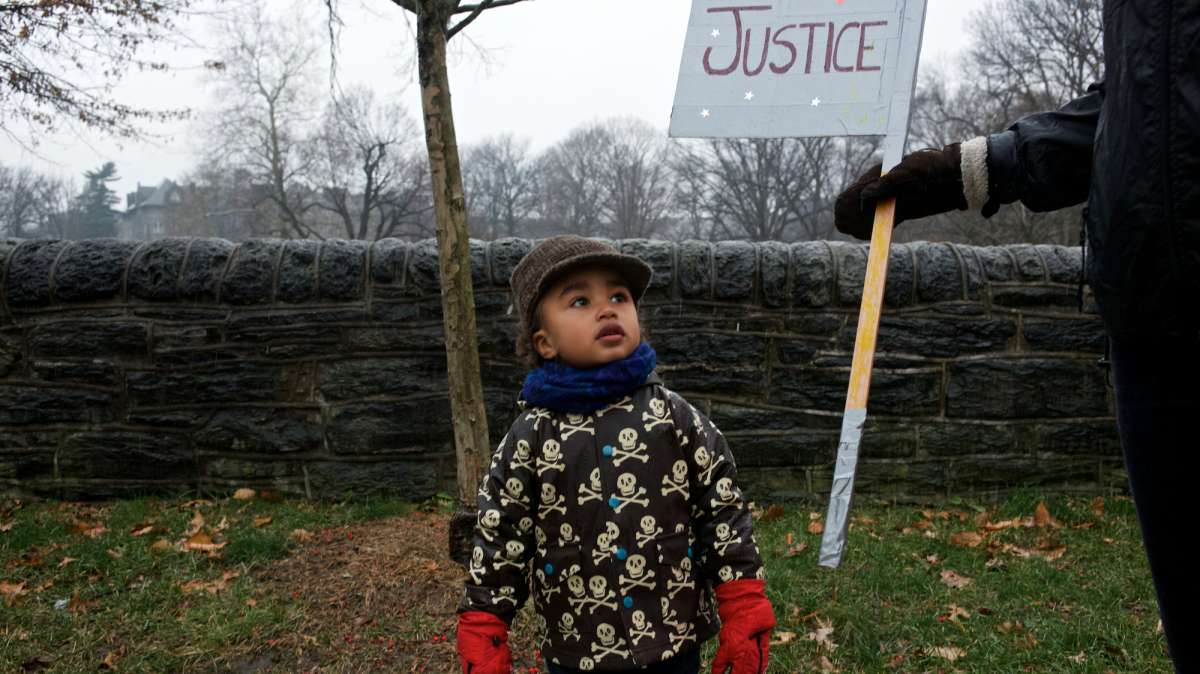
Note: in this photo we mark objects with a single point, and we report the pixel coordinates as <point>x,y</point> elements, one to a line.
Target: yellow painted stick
<point>872,306</point>
<point>837,520</point>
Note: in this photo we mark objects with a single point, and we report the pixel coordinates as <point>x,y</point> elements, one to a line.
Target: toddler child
<point>611,498</point>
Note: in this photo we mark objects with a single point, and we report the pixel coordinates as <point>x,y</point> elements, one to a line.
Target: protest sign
<point>803,68</point>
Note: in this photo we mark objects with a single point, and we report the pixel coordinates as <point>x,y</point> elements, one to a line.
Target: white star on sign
<point>705,113</point>
<point>816,102</point>
<point>716,33</point>
<point>749,96</point>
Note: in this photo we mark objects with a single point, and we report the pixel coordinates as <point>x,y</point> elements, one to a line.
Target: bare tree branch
<point>410,5</point>
<point>475,11</point>
<point>61,61</point>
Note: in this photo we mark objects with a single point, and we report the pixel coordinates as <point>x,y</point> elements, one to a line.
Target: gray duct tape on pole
<point>837,519</point>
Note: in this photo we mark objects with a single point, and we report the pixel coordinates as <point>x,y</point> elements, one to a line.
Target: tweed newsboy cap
<point>557,255</point>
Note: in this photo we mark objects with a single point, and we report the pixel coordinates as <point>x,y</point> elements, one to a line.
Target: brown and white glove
<point>924,183</point>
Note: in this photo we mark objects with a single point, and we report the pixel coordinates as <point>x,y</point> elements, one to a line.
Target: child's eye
<point>578,299</point>
<point>620,296</point>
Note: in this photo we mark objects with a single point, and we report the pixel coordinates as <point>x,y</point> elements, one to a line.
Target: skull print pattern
<point>624,518</point>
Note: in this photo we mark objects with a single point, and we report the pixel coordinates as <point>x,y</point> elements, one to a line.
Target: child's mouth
<point>611,334</point>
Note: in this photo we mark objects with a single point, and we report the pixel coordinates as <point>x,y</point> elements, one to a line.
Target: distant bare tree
<point>501,185</point>
<point>30,202</point>
<point>636,179</point>
<point>266,84</point>
<point>370,177</point>
<point>611,178</point>
<point>1045,51</point>
<point>223,201</point>
<point>60,59</point>
<point>1025,56</point>
<point>572,193</point>
<point>761,189</point>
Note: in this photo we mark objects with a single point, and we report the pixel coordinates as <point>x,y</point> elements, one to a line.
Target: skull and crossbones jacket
<point>618,522</point>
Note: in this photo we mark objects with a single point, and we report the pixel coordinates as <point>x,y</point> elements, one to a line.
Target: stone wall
<point>318,368</point>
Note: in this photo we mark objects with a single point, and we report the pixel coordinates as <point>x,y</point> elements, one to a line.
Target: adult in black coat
<point>1131,147</point>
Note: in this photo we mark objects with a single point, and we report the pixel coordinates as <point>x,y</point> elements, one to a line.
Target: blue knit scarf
<point>567,389</point>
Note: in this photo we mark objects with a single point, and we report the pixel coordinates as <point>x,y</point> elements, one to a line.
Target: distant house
<point>148,211</point>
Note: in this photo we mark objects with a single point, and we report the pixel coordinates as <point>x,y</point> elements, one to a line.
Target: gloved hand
<point>483,644</point>
<point>926,182</point>
<point>746,622</point>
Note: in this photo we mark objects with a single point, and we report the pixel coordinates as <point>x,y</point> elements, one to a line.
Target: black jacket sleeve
<point>1045,159</point>
<point>721,517</point>
<point>498,573</point>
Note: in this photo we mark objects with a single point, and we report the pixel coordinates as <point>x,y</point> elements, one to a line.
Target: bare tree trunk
<point>458,306</point>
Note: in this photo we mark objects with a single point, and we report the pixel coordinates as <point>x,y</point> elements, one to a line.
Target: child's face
<point>587,319</point>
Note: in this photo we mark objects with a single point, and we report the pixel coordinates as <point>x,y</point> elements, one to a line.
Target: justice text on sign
<point>797,68</point>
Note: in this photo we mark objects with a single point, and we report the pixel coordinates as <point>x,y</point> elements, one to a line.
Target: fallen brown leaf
<point>301,535</point>
<point>955,580</point>
<point>821,635</point>
<point>89,530</point>
<point>1042,517</point>
<point>1048,553</point>
<point>954,612</point>
<point>948,653</point>
<point>1025,522</point>
<point>262,521</point>
<point>966,539</point>
<point>1011,627</point>
<point>141,529</point>
<point>774,512</point>
<point>6,526</point>
<point>815,527</point>
<point>196,523</point>
<point>203,542</point>
<point>77,605</point>
<point>110,658</point>
<point>161,545</point>
<point>780,637</point>
<point>209,586</point>
<point>243,494</point>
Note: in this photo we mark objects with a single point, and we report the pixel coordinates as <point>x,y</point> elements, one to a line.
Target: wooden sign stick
<point>837,519</point>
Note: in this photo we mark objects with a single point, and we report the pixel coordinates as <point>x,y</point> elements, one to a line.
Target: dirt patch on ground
<point>377,596</point>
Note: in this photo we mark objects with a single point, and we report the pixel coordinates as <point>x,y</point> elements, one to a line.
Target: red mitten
<point>483,644</point>
<point>746,622</point>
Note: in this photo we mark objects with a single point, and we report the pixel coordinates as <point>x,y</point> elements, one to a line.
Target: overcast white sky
<point>551,65</point>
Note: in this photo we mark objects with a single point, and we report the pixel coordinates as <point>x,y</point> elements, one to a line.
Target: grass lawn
<point>263,584</point>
